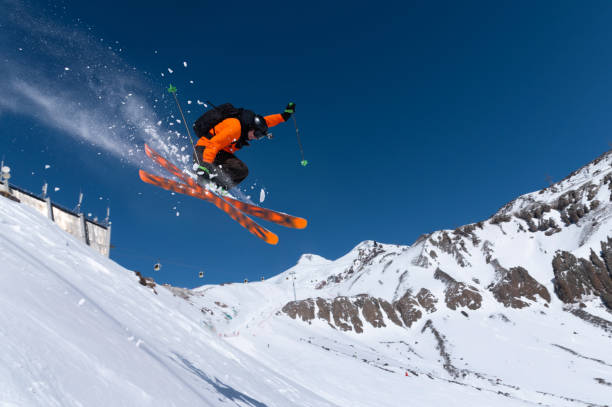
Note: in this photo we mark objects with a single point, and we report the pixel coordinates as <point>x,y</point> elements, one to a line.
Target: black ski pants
<point>230,169</point>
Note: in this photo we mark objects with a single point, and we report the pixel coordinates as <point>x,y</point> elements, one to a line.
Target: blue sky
<point>414,116</point>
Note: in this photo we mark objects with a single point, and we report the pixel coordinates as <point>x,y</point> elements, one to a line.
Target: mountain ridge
<point>574,202</point>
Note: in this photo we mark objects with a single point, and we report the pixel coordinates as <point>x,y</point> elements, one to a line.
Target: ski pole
<point>297,133</point>
<point>172,89</point>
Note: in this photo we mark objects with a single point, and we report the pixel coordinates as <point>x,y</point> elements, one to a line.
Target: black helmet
<point>260,126</point>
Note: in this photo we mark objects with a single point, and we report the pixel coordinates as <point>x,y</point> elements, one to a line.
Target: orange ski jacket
<point>225,135</point>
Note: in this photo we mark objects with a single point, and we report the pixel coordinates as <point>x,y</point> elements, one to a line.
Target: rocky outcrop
<point>408,308</point>
<point>458,294</point>
<point>570,205</point>
<point>341,313</point>
<point>346,315</point>
<point>427,300</point>
<point>576,278</point>
<point>303,309</point>
<point>500,218</point>
<point>324,309</point>
<point>351,313</point>
<point>146,281</point>
<point>467,231</point>
<point>371,310</point>
<point>536,221</point>
<point>454,246</point>
<point>390,312</point>
<point>514,284</point>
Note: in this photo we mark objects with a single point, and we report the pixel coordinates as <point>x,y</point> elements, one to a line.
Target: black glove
<point>289,110</point>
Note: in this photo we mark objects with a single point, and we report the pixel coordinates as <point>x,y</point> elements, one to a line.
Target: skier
<point>223,131</point>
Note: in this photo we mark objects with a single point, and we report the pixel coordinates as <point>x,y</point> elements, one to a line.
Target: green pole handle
<point>304,162</point>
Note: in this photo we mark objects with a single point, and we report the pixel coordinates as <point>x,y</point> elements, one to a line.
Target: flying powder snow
<point>88,105</point>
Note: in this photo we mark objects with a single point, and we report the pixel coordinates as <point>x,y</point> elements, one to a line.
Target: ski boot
<point>208,180</point>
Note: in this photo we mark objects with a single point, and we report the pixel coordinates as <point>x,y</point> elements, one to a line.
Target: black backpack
<point>214,116</point>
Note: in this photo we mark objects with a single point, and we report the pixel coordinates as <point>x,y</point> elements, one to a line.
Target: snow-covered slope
<point>77,329</point>
<point>510,311</point>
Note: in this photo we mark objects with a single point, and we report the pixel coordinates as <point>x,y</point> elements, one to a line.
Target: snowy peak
<point>311,259</point>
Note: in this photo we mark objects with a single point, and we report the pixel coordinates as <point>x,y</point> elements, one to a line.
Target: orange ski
<point>270,215</point>
<point>201,193</point>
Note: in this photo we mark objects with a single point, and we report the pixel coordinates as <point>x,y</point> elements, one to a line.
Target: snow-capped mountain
<point>510,311</point>
<point>554,241</point>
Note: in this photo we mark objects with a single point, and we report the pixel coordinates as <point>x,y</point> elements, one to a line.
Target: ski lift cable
<point>158,260</point>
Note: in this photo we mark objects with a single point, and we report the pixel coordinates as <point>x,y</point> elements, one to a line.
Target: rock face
<point>570,204</point>
<point>408,308</point>
<point>346,313</point>
<point>427,300</point>
<point>303,309</point>
<point>350,313</point>
<point>514,284</point>
<point>454,246</point>
<point>146,281</point>
<point>576,278</point>
<point>458,294</point>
